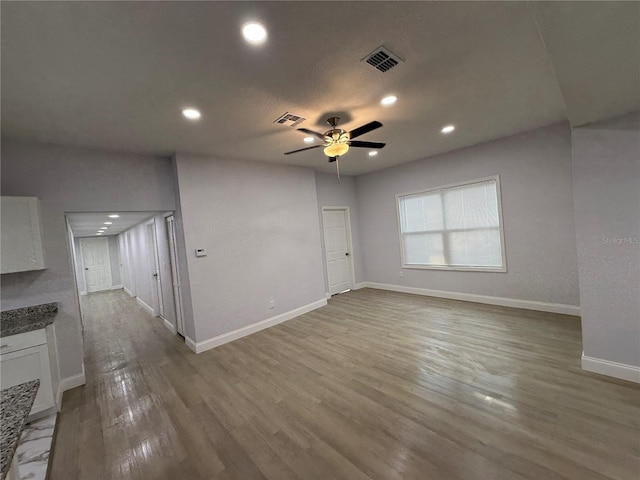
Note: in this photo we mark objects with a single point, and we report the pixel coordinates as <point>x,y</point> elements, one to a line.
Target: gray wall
<point>330,193</point>
<point>537,204</point>
<point>140,259</point>
<point>127,275</point>
<point>67,179</point>
<point>139,263</point>
<point>606,189</point>
<point>259,225</point>
<point>114,257</point>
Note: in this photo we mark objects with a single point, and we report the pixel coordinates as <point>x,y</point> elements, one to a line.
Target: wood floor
<point>375,385</point>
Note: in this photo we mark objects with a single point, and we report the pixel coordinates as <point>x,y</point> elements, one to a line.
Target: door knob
<point>347,254</point>
<point>155,274</point>
<point>86,268</point>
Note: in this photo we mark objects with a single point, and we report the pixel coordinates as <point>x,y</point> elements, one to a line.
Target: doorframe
<point>158,306</point>
<point>132,272</point>
<point>352,270</point>
<point>73,254</point>
<point>176,289</point>
<point>84,268</point>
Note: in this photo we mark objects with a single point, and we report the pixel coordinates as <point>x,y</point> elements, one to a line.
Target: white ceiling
<point>116,75</point>
<point>86,224</point>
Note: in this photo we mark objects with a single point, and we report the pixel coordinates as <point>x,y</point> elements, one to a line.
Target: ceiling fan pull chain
<point>338,168</point>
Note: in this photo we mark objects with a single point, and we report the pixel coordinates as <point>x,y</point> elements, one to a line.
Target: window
<point>457,227</point>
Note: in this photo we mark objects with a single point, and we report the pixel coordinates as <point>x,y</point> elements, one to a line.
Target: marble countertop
<point>26,319</point>
<point>15,405</point>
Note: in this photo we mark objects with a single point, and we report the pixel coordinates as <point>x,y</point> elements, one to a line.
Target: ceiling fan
<point>337,141</point>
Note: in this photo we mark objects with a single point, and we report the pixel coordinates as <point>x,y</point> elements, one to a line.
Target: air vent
<point>382,59</point>
<point>289,119</point>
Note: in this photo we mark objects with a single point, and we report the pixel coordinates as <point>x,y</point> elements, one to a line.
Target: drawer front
<point>22,340</point>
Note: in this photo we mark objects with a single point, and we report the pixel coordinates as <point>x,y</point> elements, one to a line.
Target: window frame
<point>503,250</point>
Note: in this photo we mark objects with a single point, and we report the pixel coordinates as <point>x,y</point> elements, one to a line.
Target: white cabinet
<point>21,247</point>
<point>25,357</point>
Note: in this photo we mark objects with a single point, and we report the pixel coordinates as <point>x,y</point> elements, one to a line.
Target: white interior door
<point>337,250</point>
<point>175,273</point>
<point>152,248</point>
<point>97,264</point>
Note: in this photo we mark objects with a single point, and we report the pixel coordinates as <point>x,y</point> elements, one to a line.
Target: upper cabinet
<point>21,247</point>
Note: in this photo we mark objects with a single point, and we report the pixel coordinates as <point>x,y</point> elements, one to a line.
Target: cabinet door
<point>21,246</point>
<point>29,364</point>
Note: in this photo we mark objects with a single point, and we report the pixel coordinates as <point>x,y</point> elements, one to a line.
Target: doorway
<point>134,251</point>
<point>338,249</point>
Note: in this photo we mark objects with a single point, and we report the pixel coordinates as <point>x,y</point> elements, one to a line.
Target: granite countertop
<point>26,319</point>
<point>15,406</point>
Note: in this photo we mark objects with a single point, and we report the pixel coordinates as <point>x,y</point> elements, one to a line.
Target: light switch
<point>201,252</point>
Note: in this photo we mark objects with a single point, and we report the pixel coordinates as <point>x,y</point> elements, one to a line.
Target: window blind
<point>457,226</point>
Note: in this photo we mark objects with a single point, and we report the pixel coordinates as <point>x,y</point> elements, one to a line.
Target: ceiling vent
<point>289,119</point>
<point>382,59</point>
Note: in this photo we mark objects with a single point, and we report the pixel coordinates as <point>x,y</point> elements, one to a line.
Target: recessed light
<point>308,139</point>
<point>373,153</point>
<point>254,33</point>
<point>98,233</point>
<point>448,129</point>
<point>103,228</point>
<point>108,223</point>
<point>390,100</point>
<point>114,215</point>
<point>191,113</point>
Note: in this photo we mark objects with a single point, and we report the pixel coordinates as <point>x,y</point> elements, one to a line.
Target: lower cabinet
<point>25,357</point>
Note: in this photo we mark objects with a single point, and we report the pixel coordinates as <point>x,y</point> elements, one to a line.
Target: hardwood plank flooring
<point>376,385</point>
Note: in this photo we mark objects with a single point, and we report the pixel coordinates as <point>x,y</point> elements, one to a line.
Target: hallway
<point>130,359</point>
<point>374,385</point>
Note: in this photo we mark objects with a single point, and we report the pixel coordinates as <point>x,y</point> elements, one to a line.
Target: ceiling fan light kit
<point>337,141</point>
<point>336,149</point>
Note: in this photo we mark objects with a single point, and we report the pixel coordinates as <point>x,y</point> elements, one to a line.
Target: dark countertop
<point>15,405</point>
<point>26,319</point>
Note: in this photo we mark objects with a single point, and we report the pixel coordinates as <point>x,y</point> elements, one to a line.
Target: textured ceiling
<point>116,75</point>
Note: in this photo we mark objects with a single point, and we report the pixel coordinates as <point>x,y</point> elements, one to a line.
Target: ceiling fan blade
<point>364,129</point>
<point>358,143</point>
<point>332,159</point>
<point>321,136</point>
<point>303,149</point>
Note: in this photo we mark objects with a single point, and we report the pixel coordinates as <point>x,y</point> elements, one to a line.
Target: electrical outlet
<point>401,274</point>
<point>272,303</point>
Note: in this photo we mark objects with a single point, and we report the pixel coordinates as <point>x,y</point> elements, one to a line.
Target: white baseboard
<point>116,287</point>
<point>612,369</point>
<point>360,285</point>
<point>169,325</point>
<point>145,306</point>
<point>327,295</point>
<point>471,297</point>
<point>41,414</point>
<point>67,384</point>
<point>128,292</point>
<point>253,328</point>
<point>192,344</point>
